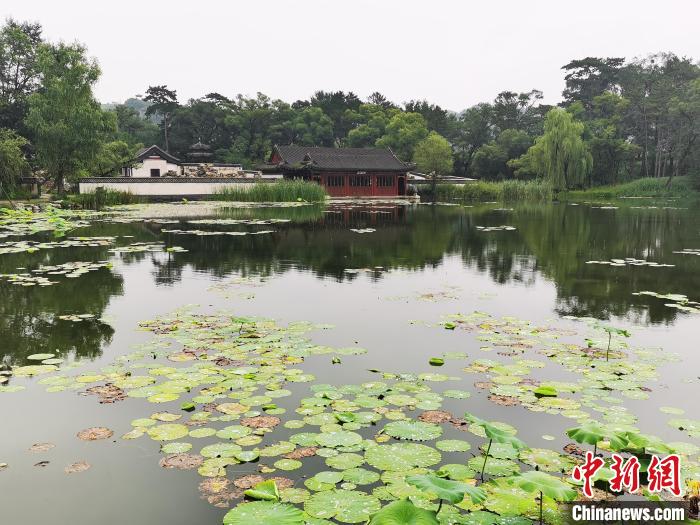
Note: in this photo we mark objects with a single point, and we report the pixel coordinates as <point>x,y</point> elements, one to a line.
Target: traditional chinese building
<point>344,172</point>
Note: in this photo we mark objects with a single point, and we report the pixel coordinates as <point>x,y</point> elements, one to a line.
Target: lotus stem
<point>541,498</point>
<point>486,457</point>
<point>607,352</point>
<point>439,507</point>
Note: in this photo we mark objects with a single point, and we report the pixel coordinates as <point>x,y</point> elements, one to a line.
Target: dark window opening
<point>155,172</point>
<point>385,181</point>
<point>335,181</point>
<point>360,180</point>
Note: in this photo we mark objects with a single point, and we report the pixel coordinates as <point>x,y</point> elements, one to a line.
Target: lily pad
<point>346,506</point>
<point>413,430</point>
<point>269,513</point>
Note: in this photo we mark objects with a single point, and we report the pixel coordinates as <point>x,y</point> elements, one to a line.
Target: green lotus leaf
<point>269,513</point>
<point>494,467</point>
<point>345,417</point>
<point>546,460</point>
<point>401,456</point>
<point>446,489</point>
<point>413,430</point>
<point>456,471</point>
<point>404,512</point>
<point>202,432</point>
<point>507,500</point>
<point>346,506</point>
<point>265,490</point>
<point>495,434</point>
<point>175,448</point>
<point>360,476</point>
<point>304,439</point>
<point>277,449</point>
<point>247,455</point>
<point>233,432</point>
<point>168,432</point>
<point>220,450</point>
<point>555,488</point>
<point>500,450</point>
<point>288,464</point>
<point>342,438</point>
<point>546,391</point>
<point>590,433</point>
<point>329,476</point>
<point>345,461</point>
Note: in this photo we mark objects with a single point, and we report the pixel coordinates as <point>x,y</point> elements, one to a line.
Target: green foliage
<point>434,155</point>
<point>265,490</point>
<point>446,489</point>
<point>68,124</point>
<point>681,187</point>
<point>533,481</point>
<point>12,162</point>
<point>506,191</point>
<point>101,198</point>
<point>403,133</point>
<point>590,433</point>
<point>404,512</point>
<point>560,156</point>
<point>282,191</point>
<point>19,72</point>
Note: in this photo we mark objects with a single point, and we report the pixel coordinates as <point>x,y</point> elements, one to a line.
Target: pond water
<point>388,287</point>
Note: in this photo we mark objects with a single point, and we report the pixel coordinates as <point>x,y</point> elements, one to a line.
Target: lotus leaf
<point>346,506</point>
<point>445,489</point>
<point>403,512</point>
<point>338,439</point>
<point>401,456</point>
<point>265,490</point>
<point>413,430</point>
<point>269,513</point>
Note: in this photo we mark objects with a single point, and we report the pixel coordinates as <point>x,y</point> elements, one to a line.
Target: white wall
<point>163,188</point>
<point>144,169</point>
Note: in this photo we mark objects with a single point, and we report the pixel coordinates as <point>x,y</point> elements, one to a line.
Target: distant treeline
<point>619,120</point>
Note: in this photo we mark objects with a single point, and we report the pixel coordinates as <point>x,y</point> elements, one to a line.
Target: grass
<point>681,187</point>
<point>282,191</point>
<point>484,191</point>
<point>101,197</point>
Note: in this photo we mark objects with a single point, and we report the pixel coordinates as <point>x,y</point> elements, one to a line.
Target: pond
<point>307,332</point>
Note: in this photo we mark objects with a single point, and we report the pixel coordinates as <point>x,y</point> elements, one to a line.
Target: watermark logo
<point>662,474</point>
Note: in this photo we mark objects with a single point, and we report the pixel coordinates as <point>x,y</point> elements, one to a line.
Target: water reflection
<point>550,243</point>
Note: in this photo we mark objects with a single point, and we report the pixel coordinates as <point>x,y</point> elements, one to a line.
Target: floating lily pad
<point>413,430</point>
<point>346,506</point>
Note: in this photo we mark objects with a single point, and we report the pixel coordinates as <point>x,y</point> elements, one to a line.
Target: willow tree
<point>560,157</point>
<point>68,124</point>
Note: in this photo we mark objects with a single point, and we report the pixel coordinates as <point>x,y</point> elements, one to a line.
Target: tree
<point>403,132</point>
<point>111,157</point>
<point>436,118</point>
<point>163,103</point>
<point>378,99</point>
<point>560,156</point>
<point>133,129</point>
<point>334,104</point>
<point>433,155</point>
<point>19,74</point>
<point>311,127</point>
<point>473,129</point>
<point>491,160</point>
<point>368,124</point>
<point>12,162</point>
<point>590,77</point>
<point>68,124</point>
<point>517,111</point>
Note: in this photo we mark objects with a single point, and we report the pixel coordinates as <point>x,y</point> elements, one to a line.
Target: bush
<point>680,187</point>
<point>482,191</point>
<point>101,197</point>
<point>282,191</point>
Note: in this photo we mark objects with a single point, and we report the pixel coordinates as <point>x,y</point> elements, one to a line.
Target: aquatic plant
<point>545,485</point>
<point>404,512</point>
<point>278,191</point>
<point>494,434</point>
<point>446,489</point>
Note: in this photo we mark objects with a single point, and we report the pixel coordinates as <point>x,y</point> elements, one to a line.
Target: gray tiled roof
<point>368,159</point>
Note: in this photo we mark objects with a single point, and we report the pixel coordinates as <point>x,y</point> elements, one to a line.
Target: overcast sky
<point>453,53</point>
